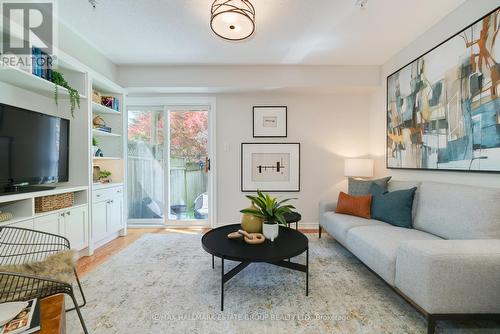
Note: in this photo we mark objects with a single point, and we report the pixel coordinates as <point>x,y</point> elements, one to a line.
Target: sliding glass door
<point>169,165</point>
<point>146,165</point>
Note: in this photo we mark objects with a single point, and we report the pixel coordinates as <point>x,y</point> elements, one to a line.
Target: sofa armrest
<point>450,276</point>
<point>326,206</point>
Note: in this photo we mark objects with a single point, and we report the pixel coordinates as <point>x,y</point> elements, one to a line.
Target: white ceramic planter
<point>270,231</point>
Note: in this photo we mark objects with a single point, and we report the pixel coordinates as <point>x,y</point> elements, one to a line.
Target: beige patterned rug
<point>164,283</point>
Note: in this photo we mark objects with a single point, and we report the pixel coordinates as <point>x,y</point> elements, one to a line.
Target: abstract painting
<point>270,167</point>
<point>443,109</point>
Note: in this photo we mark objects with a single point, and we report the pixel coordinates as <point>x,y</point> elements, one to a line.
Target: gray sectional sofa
<point>448,265</point>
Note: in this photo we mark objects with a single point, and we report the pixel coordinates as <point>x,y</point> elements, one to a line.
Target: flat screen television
<point>34,149</point>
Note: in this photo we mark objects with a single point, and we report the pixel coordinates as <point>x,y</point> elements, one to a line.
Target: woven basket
<point>54,202</point>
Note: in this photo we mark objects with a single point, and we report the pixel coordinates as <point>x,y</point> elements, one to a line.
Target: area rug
<point>164,283</point>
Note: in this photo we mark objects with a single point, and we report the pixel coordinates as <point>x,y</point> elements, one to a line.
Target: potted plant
<point>74,95</point>
<point>271,211</point>
<point>104,176</point>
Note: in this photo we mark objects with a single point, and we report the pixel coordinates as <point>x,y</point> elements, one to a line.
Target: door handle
<point>207,165</point>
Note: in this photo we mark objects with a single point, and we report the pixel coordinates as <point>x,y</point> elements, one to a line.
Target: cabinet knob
<point>68,213</point>
<point>62,214</point>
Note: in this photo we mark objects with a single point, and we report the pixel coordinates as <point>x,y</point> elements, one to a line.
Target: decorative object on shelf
<point>251,223</point>
<point>250,238</point>
<point>96,173</point>
<point>96,96</point>
<point>104,176</point>
<point>74,96</point>
<point>54,202</point>
<point>95,146</point>
<point>100,124</point>
<point>270,167</point>
<point>5,216</point>
<point>233,20</point>
<point>99,153</point>
<point>110,102</point>
<point>271,211</point>
<point>269,121</point>
<point>358,168</point>
<point>442,108</point>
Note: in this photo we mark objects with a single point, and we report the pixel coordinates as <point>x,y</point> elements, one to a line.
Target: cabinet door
<point>99,218</point>
<point>115,214</point>
<point>75,228</point>
<point>52,223</point>
<point>24,224</point>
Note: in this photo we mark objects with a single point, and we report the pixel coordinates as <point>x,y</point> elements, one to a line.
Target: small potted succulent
<point>271,211</point>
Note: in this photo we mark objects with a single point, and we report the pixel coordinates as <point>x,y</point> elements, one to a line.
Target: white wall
<point>467,13</point>
<point>213,79</point>
<point>329,127</point>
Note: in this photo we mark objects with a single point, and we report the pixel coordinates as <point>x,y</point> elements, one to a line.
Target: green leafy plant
<point>104,174</point>
<point>95,142</point>
<point>269,208</point>
<point>74,96</point>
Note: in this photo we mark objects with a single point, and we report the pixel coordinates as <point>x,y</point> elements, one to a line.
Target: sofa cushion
<point>361,187</point>
<point>377,246</point>
<point>458,212</point>
<point>395,185</point>
<point>359,206</point>
<point>393,207</point>
<point>337,224</point>
<point>450,276</point>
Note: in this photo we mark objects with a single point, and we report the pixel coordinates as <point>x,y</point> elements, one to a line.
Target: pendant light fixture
<point>233,20</point>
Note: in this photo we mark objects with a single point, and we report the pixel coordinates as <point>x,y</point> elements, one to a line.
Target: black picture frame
<point>387,109</point>
<point>269,190</point>
<point>286,121</point>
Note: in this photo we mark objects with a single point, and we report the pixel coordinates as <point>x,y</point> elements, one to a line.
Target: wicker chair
<point>19,246</point>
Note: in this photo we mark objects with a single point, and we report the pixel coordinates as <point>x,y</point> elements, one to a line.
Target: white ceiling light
<point>233,19</point>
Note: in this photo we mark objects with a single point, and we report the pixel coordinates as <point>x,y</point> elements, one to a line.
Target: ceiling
<point>305,32</point>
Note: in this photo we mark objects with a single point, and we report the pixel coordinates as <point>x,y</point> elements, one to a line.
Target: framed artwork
<point>269,121</point>
<point>443,109</point>
<point>270,167</point>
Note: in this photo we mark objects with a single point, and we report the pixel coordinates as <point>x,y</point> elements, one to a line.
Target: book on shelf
<point>41,64</point>
<point>27,321</point>
<point>102,128</point>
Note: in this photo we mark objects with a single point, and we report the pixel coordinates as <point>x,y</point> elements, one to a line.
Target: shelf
<point>28,81</point>
<point>99,133</point>
<point>107,158</point>
<point>100,109</point>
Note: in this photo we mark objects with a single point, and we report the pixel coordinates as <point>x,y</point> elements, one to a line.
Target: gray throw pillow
<point>362,187</point>
<point>392,207</point>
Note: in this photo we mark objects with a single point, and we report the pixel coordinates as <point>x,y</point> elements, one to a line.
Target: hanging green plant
<point>74,95</point>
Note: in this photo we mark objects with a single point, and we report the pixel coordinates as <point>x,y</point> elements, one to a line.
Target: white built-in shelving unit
<point>99,212</point>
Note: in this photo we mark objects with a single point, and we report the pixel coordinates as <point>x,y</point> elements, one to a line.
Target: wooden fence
<point>146,180</point>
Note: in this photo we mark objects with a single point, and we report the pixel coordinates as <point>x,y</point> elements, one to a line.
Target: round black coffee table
<point>288,244</point>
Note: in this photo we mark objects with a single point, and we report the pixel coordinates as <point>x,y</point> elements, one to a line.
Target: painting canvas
<point>270,166</point>
<point>443,109</point>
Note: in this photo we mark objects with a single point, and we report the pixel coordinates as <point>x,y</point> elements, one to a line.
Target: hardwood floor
<point>90,263</point>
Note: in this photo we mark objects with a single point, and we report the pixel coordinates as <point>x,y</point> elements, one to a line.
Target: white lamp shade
<point>358,167</point>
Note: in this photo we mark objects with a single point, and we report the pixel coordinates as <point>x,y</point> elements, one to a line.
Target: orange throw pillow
<point>359,206</point>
